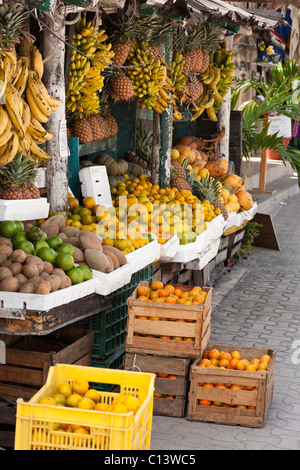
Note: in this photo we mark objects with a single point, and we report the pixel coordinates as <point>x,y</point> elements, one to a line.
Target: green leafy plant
<point>252,231</point>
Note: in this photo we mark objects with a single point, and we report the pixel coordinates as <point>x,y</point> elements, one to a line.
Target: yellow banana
<point>14,107</point>
<point>24,144</point>
<point>210,77</point>
<point>37,63</point>
<point>9,64</point>
<point>35,110</point>
<point>3,120</point>
<point>197,113</point>
<point>21,83</point>
<point>6,135</point>
<point>217,77</point>
<point>3,150</point>
<point>3,82</point>
<point>165,96</point>
<point>38,140</point>
<point>18,71</point>
<point>52,102</point>
<point>11,150</point>
<point>211,114</point>
<point>217,95</point>
<point>39,133</point>
<point>39,98</point>
<point>177,115</point>
<point>26,115</point>
<point>37,152</point>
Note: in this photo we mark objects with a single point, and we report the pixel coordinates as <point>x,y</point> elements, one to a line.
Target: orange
<point>224,363</point>
<point>131,403</point>
<point>188,339</point>
<point>220,386</point>
<point>178,292</point>
<point>165,337</point>
<point>65,389</point>
<point>241,365</point>
<point>89,202</point>
<point>233,363</point>
<point>235,355</point>
<point>236,387</point>
<point>265,358</point>
<point>73,202</point>
<point>157,285</point>
<point>81,430</point>
<point>142,297</point>
<point>163,293</point>
<point>172,376</point>
<point>171,397</point>
<point>160,299</point>
<point>225,355</point>
<point>73,399</point>
<point>162,375</point>
<point>204,402</point>
<point>153,294</point>
<point>80,386</point>
<point>176,338</point>
<point>170,300</point>
<point>255,362</point>
<point>251,367</point>
<point>204,362</point>
<point>262,366</point>
<point>213,354</point>
<point>92,394</point>
<point>155,394</point>
<point>208,385</point>
<point>86,403</point>
<point>214,362</point>
<point>47,401</point>
<point>143,291</point>
<point>170,288</point>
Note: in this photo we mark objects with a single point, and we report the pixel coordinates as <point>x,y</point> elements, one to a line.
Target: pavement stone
<point>255,305</point>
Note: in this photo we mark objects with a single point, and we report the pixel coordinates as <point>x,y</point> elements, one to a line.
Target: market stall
<point>106,177</point>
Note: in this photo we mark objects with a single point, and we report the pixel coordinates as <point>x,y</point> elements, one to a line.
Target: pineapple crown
<point>207,188</point>
<point>154,30</point>
<point>12,20</point>
<point>21,170</point>
<point>205,36</point>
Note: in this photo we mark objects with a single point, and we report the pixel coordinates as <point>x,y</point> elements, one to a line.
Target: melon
<point>245,200</point>
<point>217,167</point>
<point>235,181</point>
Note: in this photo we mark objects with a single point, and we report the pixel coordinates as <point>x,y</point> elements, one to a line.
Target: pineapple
<point>143,146</point>
<point>193,90</point>
<point>83,130</point>
<point>212,40</point>
<point>12,20</point>
<point>17,179</point>
<point>126,33</point>
<point>99,131</point>
<point>121,88</point>
<point>181,178</point>
<point>111,124</point>
<point>208,189</point>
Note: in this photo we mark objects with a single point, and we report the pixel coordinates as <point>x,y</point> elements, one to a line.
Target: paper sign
<point>280,124</point>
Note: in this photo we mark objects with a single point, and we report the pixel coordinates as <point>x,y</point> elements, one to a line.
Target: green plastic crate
<point>110,325</point>
<point>115,361</point>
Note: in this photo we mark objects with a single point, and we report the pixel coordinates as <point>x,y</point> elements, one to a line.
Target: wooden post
<point>263,168</point>
<point>155,161</point>
<point>166,123</point>
<point>54,80</point>
<point>224,116</point>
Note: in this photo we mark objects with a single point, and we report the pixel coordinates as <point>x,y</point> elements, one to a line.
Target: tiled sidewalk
<point>262,310</point>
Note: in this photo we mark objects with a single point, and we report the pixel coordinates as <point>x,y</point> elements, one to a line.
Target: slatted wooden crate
<point>186,326</point>
<point>171,382</point>
<point>246,407</point>
<point>28,359</point>
<point>7,425</point>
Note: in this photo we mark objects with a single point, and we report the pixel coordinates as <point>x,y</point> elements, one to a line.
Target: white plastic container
<point>94,182</point>
<point>209,252</point>
<point>24,209</point>
<point>169,249</point>
<point>46,302</point>
<point>144,256</point>
<point>105,284</point>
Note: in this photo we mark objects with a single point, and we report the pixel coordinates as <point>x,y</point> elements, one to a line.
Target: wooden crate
<point>29,357</point>
<point>192,324</point>
<point>7,425</point>
<point>256,400</point>
<point>164,386</point>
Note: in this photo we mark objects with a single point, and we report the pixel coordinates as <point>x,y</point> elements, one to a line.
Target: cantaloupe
<point>245,200</point>
<point>217,167</point>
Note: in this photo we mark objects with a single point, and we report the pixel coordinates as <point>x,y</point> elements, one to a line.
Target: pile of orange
<point>158,292</point>
<point>215,359</point>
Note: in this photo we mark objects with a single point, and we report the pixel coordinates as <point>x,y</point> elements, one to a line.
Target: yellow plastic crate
<point>36,424</point>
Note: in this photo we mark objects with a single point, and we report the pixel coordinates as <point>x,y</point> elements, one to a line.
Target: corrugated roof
<point>223,12</point>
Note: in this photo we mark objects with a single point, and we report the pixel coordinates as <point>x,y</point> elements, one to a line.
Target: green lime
<point>40,244</point>
<point>34,234</point>
<point>8,228</point>
<point>76,209</point>
<point>18,237</point>
<point>20,225</point>
<point>46,254</point>
<point>54,242</point>
<point>44,236</point>
<point>26,246</point>
<point>66,248</point>
<point>87,272</point>
<point>76,275</point>
<point>64,261</point>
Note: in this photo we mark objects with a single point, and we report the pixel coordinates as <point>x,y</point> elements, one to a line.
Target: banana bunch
<point>147,76</point>
<point>205,102</point>
<point>224,61</point>
<point>178,77</point>
<point>87,64</point>
<point>26,104</point>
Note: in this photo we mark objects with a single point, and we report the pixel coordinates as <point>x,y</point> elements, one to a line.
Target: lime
<point>87,272</point>
<point>64,261</point>
<point>26,246</point>
<point>34,234</point>
<point>66,248</point>
<point>19,225</point>
<point>46,254</point>
<point>76,275</point>
<point>54,242</point>
<point>44,236</point>
<point>8,228</point>
<point>18,237</point>
<point>76,209</point>
<point>40,244</point>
